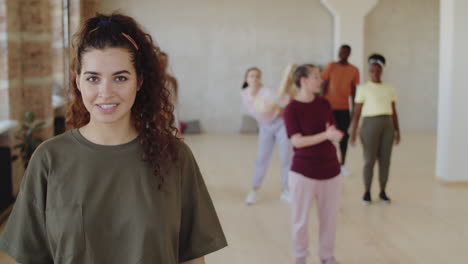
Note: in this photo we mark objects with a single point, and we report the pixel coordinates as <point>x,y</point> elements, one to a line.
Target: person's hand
<point>333,134</point>
<point>397,137</point>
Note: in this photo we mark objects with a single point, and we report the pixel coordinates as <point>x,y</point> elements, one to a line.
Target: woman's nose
<point>106,89</point>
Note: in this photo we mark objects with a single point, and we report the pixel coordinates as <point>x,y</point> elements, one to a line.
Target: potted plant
<point>29,137</point>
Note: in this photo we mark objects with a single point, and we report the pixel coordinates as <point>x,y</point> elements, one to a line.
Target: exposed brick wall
<point>36,44</point>
<point>32,59</point>
<point>10,59</point>
<point>58,52</point>
<point>25,59</point>
<point>10,73</point>
<point>4,97</point>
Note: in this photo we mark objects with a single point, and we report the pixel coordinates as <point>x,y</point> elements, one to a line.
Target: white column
<point>349,17</point>
<point>452,131</point>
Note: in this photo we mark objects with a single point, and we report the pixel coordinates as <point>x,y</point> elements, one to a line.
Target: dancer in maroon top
<point>313,176</point>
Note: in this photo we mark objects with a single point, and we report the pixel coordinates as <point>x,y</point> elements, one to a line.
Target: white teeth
<point>109,106</point>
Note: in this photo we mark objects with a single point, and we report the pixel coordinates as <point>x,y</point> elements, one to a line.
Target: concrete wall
<point>348,19</point>
<point>212,42</point>
<point>407,34</point>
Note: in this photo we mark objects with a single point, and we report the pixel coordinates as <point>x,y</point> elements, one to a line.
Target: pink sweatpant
<point>327,193</point>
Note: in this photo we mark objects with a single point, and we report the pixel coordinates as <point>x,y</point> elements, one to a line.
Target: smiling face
<point>108,84</point>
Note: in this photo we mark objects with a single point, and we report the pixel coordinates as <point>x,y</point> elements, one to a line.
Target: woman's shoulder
<point>323,102</point>
<point>62,141</point>
<point>185,156</point>
<point>183,150</point>
<point>50,149</point>
<point>293,104</point>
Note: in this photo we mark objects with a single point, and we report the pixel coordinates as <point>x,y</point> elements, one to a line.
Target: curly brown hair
<point>152,112</point>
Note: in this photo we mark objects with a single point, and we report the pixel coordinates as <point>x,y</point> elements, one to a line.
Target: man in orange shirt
<point>340,81</point>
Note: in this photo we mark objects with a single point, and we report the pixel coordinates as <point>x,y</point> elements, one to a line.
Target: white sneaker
<point>285,197</point>
<point>251,197</point>
<point>344,171</point>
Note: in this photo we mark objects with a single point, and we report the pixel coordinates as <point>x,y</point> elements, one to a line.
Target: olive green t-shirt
<point>81,202</point>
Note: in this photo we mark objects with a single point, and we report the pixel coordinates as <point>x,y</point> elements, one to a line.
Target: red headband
<point>131,40</point>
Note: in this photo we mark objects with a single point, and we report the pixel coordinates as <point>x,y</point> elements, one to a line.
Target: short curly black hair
<point>376,57</point>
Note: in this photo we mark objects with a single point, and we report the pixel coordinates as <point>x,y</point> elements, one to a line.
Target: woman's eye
<point>92,79</point>
<point>121,78</point>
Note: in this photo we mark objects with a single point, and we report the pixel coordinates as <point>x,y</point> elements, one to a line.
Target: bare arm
<point>332,134</point>
<point>396,124</point>
<point>300,141</point>
<point>195,261</point>
<point>355,122</point>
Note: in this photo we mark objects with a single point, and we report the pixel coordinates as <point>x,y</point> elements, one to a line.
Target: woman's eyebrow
<point>115,73</point>
<point>120,72</point>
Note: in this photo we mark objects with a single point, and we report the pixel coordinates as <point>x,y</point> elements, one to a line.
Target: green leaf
<point>29,117</point>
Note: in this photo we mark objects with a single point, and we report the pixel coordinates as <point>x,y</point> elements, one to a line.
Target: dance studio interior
<point>404,202</point>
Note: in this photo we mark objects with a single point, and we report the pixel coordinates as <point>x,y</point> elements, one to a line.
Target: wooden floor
<point>427,222</point>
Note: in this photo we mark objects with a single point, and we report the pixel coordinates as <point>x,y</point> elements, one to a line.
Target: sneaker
<point>331,260</point>
<point>345,171</point>
<point>285,197</point>
<point>366,199</point>
<point>384,198</point>
<point>251,197</point>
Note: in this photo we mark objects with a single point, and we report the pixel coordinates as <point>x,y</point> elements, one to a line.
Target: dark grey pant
<point>377,140</point>
<point>343,120</point>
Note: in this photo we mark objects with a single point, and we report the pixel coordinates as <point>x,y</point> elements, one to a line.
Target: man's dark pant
<point>343,120</point>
